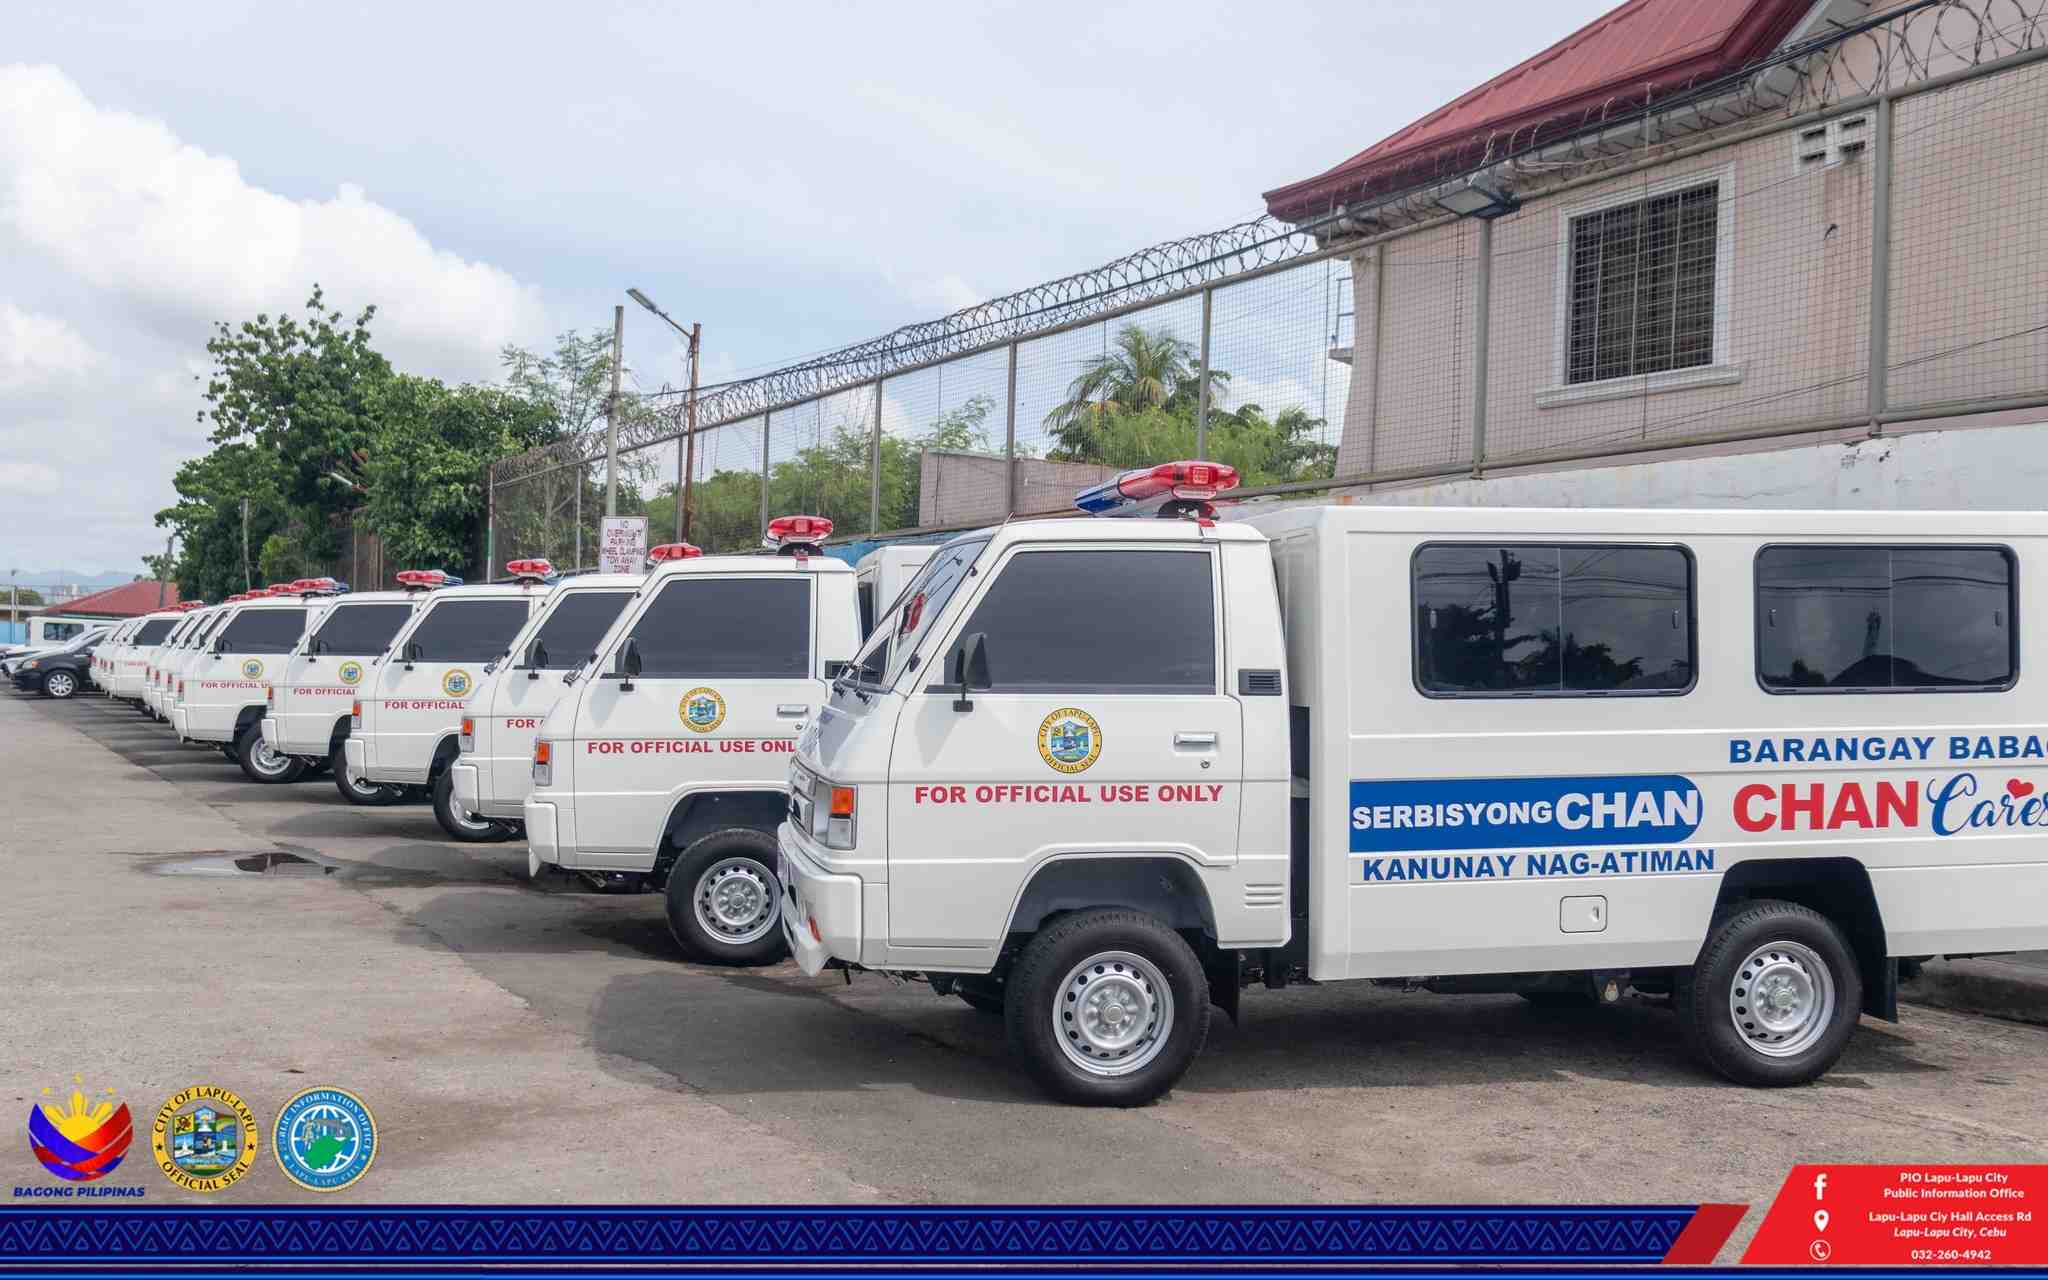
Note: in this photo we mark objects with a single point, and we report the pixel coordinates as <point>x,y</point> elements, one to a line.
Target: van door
<point>1105,730</point>
<point>728,677</point>
<point>529,684</point>
<point>324,672</point>
<point>425,683</point>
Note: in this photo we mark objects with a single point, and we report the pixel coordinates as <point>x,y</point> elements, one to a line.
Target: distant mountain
<point>43,579</point>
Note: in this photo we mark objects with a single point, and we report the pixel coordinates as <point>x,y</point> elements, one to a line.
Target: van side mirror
<point>627,665</point>
<point>970,669</point>
<point>536,658</point>
<point>220,645</point>
<point>413,653</point>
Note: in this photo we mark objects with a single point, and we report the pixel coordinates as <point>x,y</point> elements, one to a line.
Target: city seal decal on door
<point>252,669</point>
<point>702,710</point>
<point>351,673</point>
<point>457,683</point>
<point>1069,740</point>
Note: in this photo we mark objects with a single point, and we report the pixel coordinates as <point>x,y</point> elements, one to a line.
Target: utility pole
<point>14,598</point>
<point>683,512</point>
<point>248,583</point>
<point>611,417</point>
<point>163,572</point>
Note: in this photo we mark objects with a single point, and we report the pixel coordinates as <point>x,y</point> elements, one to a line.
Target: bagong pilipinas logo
<point>83,1141</point>
<point>1523,813</point>
<point>325,1139</point>
<point>702,710</point>
<point>252,669</point>
<point>351,673</point>
<point>457,683</point>
<point>1069,740</point>
<point>204,1138</point>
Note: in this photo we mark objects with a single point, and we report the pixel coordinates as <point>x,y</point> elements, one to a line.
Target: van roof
<point>1635,522</point>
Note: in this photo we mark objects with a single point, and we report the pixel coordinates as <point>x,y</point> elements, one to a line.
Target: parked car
<point>59,673</point>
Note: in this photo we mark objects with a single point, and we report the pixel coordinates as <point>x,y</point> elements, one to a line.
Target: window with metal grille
<point>1642,286</point>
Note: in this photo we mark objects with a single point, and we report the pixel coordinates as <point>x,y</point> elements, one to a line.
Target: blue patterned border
<point>1077,1238</point>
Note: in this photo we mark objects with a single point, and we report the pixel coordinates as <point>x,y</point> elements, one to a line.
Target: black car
<point>60,674</point>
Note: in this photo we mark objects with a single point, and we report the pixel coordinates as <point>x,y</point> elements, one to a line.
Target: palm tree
<point>1143,370</point>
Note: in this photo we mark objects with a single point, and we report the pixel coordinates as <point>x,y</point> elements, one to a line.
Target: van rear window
<point>1835,619</point>
<point>1499,620</point>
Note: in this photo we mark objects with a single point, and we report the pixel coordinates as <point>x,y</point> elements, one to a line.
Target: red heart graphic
<point>2018,790</point>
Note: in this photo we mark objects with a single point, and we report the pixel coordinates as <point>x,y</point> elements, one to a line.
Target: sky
<point>795,177</point>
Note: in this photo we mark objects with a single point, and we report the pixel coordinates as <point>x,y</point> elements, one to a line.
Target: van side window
<point>468,630</point>
<point>733,628</point>
<point>1569,620</point>
<point>1927,619</point>
<point>264,631</point>
<point>571,632</point>
<point>1098,622</point>
<point>361,630</point>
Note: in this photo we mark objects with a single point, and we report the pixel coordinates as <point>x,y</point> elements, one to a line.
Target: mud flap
<point>1225,971</point>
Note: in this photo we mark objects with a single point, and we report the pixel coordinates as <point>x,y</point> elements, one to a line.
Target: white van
<point>1121,769</point>
<point>103,658</point>
<point>881,575</point>
<point>152,672</point>
<point>227,688</point>
<point>177,658</point>
<point>132,662</point>
<point>669,760</point>
<point>51,632</point>
<point>410,708</point>
<point>312,699</point>
<point>486,795</point>
<point>223,614</point>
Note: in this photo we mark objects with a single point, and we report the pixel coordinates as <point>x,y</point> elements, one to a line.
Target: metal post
<point>1483,290</point>
<point>1879,355</point>
<point>1202,402</point>
<point>767,423</point>
<point>163,573</point>
<point>875,466</point>
<point>689,438</point>
<point>490,524</point>
<point>1010,440</point>
<point>611,424</point>
<point>577,515</point>
<point>248,583</point>
<point>1379,324</point>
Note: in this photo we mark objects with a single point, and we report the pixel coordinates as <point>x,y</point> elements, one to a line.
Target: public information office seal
<point>204,1138</point>
<point>325,1139</point>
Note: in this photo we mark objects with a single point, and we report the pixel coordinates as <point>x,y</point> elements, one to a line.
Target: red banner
<point>1903,1214</point>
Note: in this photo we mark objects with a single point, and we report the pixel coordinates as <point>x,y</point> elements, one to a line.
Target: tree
<point>424,466</point>
<point>208,517</point>
<point>1142,370</point>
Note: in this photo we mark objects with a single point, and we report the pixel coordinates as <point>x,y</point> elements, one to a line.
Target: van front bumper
<point>820,910</point>
<point>465,781</point>
<point>543,840</point>
<point>270,735</point>
<point>356,752</point>
<point>210,724</point>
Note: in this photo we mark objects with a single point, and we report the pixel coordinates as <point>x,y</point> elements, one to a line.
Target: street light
<point>687,463</point>
<point>1476,199</point>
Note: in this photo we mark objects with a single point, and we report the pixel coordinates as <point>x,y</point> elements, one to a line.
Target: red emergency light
<point>797,536</point>
<point>534,570</point>
<point>314,586</point>
<point>281,588</point>
<point>236,598</point>
<point>1188,486</point>
<point>674,551</point>
<point>421,579</point>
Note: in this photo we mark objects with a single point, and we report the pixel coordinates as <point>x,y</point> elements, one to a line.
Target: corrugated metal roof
<point>129,600</point>
<point>1642,45</point>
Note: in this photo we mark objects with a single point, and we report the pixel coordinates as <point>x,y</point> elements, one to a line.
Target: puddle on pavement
<point>259,864</point>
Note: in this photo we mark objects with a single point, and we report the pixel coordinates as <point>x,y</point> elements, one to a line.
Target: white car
<point>668,759</point>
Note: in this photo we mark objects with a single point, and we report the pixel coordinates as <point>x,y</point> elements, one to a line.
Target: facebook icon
<point>1820,1186</point>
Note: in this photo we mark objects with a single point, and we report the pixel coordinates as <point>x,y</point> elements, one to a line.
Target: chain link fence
<point>1727,262</point>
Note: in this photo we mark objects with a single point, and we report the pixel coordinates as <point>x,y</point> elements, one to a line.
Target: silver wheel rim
<point>1782,999</point>
<point>464,819</point>
<point>1113,1014</point>
<point>267,761</point>
<point>361,786</point>
<point>736,901</point>
<point>60,685</point>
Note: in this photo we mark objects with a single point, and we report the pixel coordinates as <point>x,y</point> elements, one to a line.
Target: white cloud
<point>120,202</point>
<point>125,243</point>
<point>39,349</point>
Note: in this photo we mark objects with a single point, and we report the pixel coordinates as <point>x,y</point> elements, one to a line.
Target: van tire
<point>1130,943</point>
<point>461,825</point>
<point>1763,948</point>
<point>745,859</point>
<point>370,794</point>
<point>260,763</point>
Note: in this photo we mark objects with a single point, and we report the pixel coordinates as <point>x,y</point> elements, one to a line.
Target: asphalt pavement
<point>170,923</point>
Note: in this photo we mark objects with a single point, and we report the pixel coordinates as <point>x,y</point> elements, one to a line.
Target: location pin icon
<point>1820,1219</point>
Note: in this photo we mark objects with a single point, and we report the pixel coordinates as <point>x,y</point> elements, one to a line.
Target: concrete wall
<point>956,488</point>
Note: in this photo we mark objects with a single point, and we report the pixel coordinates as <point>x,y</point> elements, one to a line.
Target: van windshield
<point>910,619</point>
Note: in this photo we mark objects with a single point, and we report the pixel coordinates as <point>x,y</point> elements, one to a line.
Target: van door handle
<point>792,709</point>
<point>1194,740</point>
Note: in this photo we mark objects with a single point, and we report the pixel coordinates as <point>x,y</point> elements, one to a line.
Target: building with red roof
<point>129,600</point>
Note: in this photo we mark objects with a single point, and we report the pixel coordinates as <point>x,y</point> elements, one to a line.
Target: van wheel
<point>60,684</point>
<point>724,901</point>
<point>261,762</point>
<point>1774,996</point>
<point>459,822</point>
<point>1107,1008</point>
<point>364,793</point>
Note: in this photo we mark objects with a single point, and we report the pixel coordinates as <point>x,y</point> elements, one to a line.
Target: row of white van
<point>441,687</point>
<point>1098,776</point>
